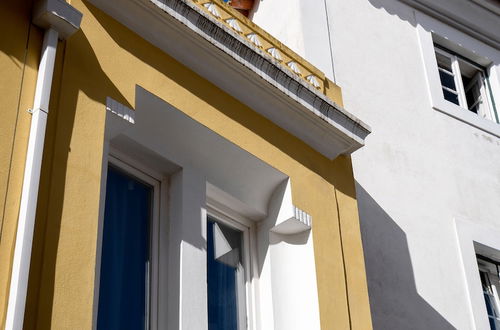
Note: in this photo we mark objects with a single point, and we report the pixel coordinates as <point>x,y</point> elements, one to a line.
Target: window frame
<point>486,96</point>
<point>144,174</point>
<point>474,239</point>
<point>471,49</point>
<point>222,214</point>
<point>494,295</point>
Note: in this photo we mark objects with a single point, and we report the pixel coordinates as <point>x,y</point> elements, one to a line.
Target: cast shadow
<point>394,301</point>
<point>49,217</point>
<point>226,104</point>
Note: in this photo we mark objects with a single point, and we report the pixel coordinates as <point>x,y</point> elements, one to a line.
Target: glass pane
<point>473,92</point>
<point>123,290</point>
<point>450,96</point>
<point>443,61</point>
<point>489,304</point>
<point>225,278</point>
<point>494,324</point>
<point>447,80</point>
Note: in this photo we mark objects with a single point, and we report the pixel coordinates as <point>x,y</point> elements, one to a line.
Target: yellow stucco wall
<point>105,59</point>
<point>20,45</point>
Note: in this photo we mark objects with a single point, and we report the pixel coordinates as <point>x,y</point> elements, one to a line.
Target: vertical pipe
<point>26,222</point>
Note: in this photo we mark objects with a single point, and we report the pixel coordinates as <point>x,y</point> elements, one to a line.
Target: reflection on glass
<point>225,278</point>
<point>490,282</point>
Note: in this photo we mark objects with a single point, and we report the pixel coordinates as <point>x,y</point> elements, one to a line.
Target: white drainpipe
<point>26,222</point>
<point>59,19</point>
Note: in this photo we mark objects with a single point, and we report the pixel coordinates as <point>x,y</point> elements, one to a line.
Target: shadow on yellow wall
<point>81,82</point>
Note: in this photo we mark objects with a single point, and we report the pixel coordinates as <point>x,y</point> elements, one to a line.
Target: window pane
<point>473,92</point>
<point>123,290</point>
<point>450,97</point>
<point>447,80</point>
<point>495,325</point>
<point>490,281</point>
<point>225,277</point>
<point>489,300</point>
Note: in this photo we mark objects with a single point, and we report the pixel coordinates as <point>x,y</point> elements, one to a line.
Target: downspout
<point>60,20</point>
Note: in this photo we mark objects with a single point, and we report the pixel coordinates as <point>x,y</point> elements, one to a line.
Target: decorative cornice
<point>469,16</point>
<point>287,219</point>
<point>282,74</point>
<point>298,223</point>
<point>227,15</point>
<point>249,72</point>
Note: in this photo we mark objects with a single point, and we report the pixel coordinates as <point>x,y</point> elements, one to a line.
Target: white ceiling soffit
<point>477,18</point>
<point>235,65</point>
<point>167,139</point>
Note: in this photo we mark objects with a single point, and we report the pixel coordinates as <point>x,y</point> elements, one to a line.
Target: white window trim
<point>461,90</point>
<point>496,299</point>
<point>433,80</point>
<point>137,170</point>
<point>469,232</point>
<point>220,212</point>
<point>224,215</point>
<point>285,281</point>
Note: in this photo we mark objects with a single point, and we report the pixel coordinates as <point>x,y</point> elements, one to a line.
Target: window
<point>464,83</point>
<point>227,275</point>
<point>216,248</point>
<point>128,250</point>
<point>463,74</point>
<point>490,281</point>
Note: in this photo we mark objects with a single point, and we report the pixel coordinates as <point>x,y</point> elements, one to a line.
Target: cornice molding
<point>467,16</point>
<point>230,59</point>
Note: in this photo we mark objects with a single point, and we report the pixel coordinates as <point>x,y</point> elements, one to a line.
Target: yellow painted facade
<point>105,59</point>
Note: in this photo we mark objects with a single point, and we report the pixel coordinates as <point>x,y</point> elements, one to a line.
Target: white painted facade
<point>428,180</point>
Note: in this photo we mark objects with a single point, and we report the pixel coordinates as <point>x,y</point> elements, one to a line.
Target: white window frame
<point>494,295</point>
<point>221,213</point>
<point>488,111</point>
<point>278,286</point>
<point>225,216</point>
<point>470,233</point>
<point>471,48</point>
<point>158,183</point>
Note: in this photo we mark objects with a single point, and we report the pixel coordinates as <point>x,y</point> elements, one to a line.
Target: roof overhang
<point>228,59</point>
<point>477,18</point>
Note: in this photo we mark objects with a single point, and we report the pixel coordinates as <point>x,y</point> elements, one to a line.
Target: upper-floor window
<point>490,281</point>
<point>464,83</point>
<point>463,74</point>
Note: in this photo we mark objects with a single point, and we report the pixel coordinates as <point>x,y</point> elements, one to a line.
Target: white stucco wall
<point>420,169</point>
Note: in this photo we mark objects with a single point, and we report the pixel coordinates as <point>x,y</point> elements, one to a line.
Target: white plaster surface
<point>195,162</point>
<point>420,168</point>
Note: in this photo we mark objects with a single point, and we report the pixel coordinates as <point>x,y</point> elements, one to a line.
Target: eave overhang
<point>202,40</point>
<point>477,18</point>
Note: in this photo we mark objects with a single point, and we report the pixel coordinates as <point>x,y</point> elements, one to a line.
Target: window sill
<point>467,117</point>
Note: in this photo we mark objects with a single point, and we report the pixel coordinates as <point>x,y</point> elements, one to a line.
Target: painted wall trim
<point>60,19</point>
<point>236,65</point>
<point>290,220</point>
